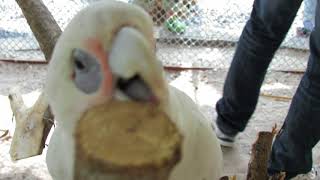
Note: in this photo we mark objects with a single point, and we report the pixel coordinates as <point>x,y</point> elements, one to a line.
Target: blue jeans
<point>268,25</point>
<point>309,13</point>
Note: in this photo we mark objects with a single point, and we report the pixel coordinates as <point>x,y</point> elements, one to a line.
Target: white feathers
<point>202,155</point>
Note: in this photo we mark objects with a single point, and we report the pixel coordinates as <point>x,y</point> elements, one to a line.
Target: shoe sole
<point>225,143</point>
<point>222,142</point>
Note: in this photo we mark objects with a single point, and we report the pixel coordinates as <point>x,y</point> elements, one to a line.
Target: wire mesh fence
<point>201,33</point>
<point>208,31</point>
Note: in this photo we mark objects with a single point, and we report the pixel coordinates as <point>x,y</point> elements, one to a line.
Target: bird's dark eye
<point>79,65</point>
<point>87,74</point>
<point>81,59</point>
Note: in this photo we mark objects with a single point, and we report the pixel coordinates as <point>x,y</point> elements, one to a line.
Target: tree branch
<point>43,25</point>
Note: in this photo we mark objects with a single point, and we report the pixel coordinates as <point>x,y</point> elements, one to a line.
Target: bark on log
<point>46,30</point>
<point>280,176</point>
<point>43,25</point>
<point>257,168</point>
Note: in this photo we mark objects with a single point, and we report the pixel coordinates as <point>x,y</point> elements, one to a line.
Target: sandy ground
<point>204,87</point>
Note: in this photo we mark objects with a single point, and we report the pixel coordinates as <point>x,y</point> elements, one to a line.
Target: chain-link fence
<point>183,23</point>
<point>200,33</point>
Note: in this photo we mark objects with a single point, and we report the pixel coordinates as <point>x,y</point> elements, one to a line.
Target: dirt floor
<point>204,87</point>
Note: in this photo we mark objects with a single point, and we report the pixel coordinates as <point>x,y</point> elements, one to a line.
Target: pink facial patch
<point>95,47</point>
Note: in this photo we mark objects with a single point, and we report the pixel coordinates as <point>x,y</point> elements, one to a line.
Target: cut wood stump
<point>118,140</point>
<point>261,149</point>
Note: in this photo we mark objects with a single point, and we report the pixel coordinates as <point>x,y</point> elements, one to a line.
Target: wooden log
<point>27,140</point>
<point>257,168</point>
<point>126,141</point>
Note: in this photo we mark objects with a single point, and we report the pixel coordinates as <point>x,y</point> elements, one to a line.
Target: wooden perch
<point>33,125</point>
<point>257,168</point>
<point>118,141</point>
<point>44,27</point>
<point>28,134</point>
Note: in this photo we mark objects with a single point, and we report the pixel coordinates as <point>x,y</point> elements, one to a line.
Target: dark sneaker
<point>224,139</point>
<point>314,174</point>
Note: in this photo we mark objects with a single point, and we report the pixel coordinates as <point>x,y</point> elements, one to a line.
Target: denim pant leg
<point>309,13</point>
<point>292,148</point>
<point>269,22</point>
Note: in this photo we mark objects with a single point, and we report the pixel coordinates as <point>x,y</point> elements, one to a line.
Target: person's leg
<point>309,14</point>
<point>308,18</point>
<point>268,25</point>
<point>292,148</point>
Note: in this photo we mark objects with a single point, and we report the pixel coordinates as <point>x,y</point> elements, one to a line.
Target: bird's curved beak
<point>127,61</point>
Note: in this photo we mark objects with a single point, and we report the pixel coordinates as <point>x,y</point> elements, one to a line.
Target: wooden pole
<point>43,25</point>
<point>261,149</point>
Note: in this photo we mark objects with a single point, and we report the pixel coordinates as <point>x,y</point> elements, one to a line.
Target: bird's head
<point>106,52</point>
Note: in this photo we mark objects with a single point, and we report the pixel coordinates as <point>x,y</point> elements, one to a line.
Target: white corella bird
<point>106,54</point>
